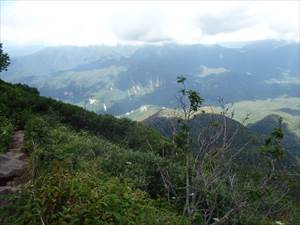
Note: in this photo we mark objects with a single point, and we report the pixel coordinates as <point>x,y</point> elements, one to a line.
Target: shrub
<point>6,131</point>
<point>86,197</point>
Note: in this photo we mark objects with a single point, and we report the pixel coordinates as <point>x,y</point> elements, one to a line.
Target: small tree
<point>190,101</point>
<point>215,188</point>
<point>4,60</point>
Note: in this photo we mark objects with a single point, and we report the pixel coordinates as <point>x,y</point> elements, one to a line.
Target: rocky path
<point>12,165</point>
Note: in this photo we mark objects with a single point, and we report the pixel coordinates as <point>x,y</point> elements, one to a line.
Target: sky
<point>152,22</point>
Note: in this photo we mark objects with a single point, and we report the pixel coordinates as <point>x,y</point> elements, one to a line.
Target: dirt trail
<point>12,165</point>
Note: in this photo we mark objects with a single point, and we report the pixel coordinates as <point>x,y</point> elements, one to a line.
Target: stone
<point>10,166</point>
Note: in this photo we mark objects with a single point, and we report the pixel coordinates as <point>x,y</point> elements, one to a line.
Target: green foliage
<point>6,130</point>
<point>62,144</point>
<point>181,137</point>
<point>193,98</point>
<point>21,102</point>
<point>273,145</point>
<point>181,79</point>
<point>37,129</point>
<point>190,102</point>
<point>4,60</point>
<point>96,169</point>
<point>86,197</point>
<point>218,189</point>
<point>70,187</point>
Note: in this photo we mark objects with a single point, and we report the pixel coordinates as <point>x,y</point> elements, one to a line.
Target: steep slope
<point>86,168</point>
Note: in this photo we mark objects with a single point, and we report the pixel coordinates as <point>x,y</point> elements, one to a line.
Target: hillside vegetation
<point>96,169</point>
<point>80,176</point>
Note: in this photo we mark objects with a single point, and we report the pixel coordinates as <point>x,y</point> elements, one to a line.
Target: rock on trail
<point>12,164</point>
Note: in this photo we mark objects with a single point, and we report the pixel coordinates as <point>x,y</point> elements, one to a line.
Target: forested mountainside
<point>86,168</point>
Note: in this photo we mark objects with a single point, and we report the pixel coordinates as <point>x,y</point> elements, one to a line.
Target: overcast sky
<point>137,22</point>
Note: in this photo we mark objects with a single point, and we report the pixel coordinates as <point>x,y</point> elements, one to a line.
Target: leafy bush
<point>86,197</point>
<point>38,129</point>
<point>6,131</point>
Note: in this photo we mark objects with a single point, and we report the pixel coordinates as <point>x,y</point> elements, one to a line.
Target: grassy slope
<point>76,171</point>
<point>79,154</point>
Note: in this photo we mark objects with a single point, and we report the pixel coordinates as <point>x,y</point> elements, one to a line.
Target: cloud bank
<point>139,22</point>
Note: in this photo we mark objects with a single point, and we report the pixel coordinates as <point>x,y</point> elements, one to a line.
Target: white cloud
<point>103,22</point>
